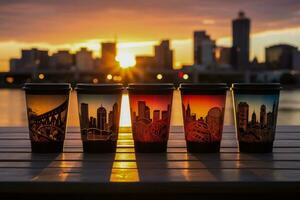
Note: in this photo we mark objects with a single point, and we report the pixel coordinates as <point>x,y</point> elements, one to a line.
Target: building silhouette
<point>204,49</point>
<point>242,115</point>
<point>144,113</point>
<point>163,55</point>
<point>84,60</point>
<point>101,118</point>
<point>280,56</point>
<point>108,55</point>
<point>266,119</point>
<point>241,41</point>
<point>104,121</point>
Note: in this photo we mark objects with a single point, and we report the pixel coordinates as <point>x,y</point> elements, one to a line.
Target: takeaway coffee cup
<point>99,115</point>
<point>203,114</point>
<point>255,110</point>
<point>47,111</point>
<point>150,108</point>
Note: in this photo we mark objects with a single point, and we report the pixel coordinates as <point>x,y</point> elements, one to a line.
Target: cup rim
<point>47,87</point>
<point>203,86</point>
<point>256,86</point>
<point>150,86</point>
<point>105,87</point>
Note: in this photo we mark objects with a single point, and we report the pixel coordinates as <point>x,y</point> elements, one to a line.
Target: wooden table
<point>176,174</point>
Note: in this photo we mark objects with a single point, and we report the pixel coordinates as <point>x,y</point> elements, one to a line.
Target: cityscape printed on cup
<point>47,117</point>
<point>203,117</point>
<point>256,117</point>
<point>150,116</point>
<point>99,117</point>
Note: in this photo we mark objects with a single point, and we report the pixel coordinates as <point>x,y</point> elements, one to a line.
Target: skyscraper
<point>263,115</point>
<point>141,109</point>
<point>147,112</point>
<point>203,49</point>
<point>108,55</point>
<point>84,115</point>
<point>241,40</point>
<point>156,115</point>
<point>84,60</point>
<point>101,118</point>
<point>163,55</point>
<point>242,113</point>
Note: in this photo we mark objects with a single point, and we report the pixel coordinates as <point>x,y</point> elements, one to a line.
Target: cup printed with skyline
<point>255,118</point>
<point>99,120</point>
<point>150,116</point>
<point>203,117</point>
<point>47,119</point>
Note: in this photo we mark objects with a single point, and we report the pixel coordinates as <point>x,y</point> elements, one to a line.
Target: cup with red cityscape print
<point>150,108</point>
<point>47,111</point>
<point>203,108</point>
<point>255,114</point>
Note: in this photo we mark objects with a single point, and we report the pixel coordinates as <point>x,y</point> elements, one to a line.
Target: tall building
<point>31,59</point>
<point>270,120</point>
<point>204,49</point>
<point>141,109</point>
<point>164,115</point>
<point>101,118</point>
<point>253,118</point>
<point>163,55</point>
<point>280,56</point>
<point>61,60</point>
<point>242,115</point>
<point>156,115</point>
<point>241,40</point>
<point>84,60</point>
<point>84,107</point>
<point>147,112</point>
<point>223,56</point>
<point>108,55</point>
<point>263,115</point>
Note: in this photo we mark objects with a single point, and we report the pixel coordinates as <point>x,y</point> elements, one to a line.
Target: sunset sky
<point>201,104</point>
<point>140,24</point>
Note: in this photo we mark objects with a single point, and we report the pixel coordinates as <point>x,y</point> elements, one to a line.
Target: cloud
<point>60,21</point>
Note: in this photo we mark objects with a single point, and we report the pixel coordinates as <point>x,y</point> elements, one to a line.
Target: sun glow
<point>125,59</point>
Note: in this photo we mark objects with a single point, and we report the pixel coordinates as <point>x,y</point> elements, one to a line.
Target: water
<point>13,110</point>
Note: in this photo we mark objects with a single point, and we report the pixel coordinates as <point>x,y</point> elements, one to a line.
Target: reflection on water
<point>13,111</point>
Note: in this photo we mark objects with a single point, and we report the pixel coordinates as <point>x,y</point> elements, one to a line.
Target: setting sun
<point>126,59</point>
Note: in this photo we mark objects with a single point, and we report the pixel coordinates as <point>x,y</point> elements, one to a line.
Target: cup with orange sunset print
<point>47,111</point>
<point>203,108</point>
<point>150,108</point>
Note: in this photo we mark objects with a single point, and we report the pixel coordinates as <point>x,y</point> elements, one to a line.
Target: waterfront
<point>13,110</point>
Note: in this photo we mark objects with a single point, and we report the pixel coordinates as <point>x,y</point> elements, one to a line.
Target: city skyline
<point>273,25</point>
<point>95,101</point>
<point>256,101</point>
<point>201,104</point>
<point>155,102</point>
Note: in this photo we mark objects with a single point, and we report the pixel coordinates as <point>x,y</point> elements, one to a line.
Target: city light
<point>41,76</point>
<point>95,80</point>
<point>109,77</point>
<point>159,76</point>
<point>185,76</point>
<point>117,78</point>
<point>10,79</point>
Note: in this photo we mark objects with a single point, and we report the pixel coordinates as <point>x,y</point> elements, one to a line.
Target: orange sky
<point>201,104</point>
<point>138,25</point>
<point>44,103</point>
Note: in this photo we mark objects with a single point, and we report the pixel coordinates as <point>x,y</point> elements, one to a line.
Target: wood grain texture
<point>127,172</point>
